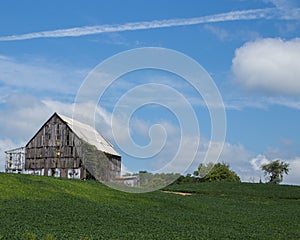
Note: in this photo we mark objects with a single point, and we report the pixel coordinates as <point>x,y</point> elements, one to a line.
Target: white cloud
<point>23,115</point>
<point>247,165</point>
<point>225,34</point>
<point>219,32</point>
<point>271,65</point>
<point>90,30</point>
<point>22,121</point>
<point>287,8</point>
<point>293,176</point>
<point>233,154</point>
<point>260,102</point>
<point>238,159</point>
<point>280,101</point>
<point>258,161</point>
<point>242,103</point>
<point>38,75</point>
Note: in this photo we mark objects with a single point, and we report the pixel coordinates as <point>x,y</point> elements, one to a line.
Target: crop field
<point>33,207</point>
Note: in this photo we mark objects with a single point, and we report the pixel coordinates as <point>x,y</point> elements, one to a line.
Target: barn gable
<point>68,148</point>
<point>90,135</point>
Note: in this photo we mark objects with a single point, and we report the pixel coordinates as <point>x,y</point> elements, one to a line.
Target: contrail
<point>266,13</point>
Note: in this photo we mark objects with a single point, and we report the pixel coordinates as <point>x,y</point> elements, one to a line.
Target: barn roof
<point>89,134</point>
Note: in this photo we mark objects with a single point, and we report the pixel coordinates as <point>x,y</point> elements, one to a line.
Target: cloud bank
<point>38,75</point>
<point>294,168</point>
<point>21,120</point>
<point>270,65</point>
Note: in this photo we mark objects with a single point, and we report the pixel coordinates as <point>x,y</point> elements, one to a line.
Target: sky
<point>249,48</point>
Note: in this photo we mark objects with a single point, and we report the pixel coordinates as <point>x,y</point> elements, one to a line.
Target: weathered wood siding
<point>102,166</point>
<point>56,151</point>
<point>54,147</point>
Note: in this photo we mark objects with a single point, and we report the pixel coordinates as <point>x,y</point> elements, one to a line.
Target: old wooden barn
<point>67,148</point>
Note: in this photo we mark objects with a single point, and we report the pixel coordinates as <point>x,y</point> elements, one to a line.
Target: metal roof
<point>90,135</point>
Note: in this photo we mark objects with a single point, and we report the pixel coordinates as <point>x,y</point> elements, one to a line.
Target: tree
<point>203,169</point>
<point>219,172</point>
<point>275,170</point>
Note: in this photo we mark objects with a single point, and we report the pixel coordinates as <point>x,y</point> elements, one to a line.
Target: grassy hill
<point>51,208</point>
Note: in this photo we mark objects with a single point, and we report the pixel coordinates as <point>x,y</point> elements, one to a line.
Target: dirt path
<point>179,193</point>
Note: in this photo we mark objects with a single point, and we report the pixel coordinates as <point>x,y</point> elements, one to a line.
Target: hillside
<point>51,208</point>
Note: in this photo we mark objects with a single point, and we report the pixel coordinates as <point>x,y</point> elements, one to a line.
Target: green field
<point>51,208</point>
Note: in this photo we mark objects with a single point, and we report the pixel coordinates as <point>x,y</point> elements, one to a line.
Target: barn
<point>64,147</point>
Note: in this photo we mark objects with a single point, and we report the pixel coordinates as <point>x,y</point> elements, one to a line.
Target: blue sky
<point>251,49</point>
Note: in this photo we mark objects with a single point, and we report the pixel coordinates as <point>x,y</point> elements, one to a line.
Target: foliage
<point>150,180</point>
<point>51,208</point>
<point>275,170</point>
<point>28,236</point>
<point>96,162</point>
<point>188,179</point>
<point>219,172</point>
<point>210,172</point>
<point>31,236</point>
<point>203,169</point>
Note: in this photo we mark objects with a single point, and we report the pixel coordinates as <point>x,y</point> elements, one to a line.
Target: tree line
<point>212,172</point>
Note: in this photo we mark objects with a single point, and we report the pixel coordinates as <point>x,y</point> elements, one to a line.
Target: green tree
<point>203,169</point>
<point>219,172</point>
<point>157,180</point>
<point>275,170</point>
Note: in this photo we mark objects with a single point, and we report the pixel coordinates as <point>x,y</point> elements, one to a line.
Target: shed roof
<point>89,134</point>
